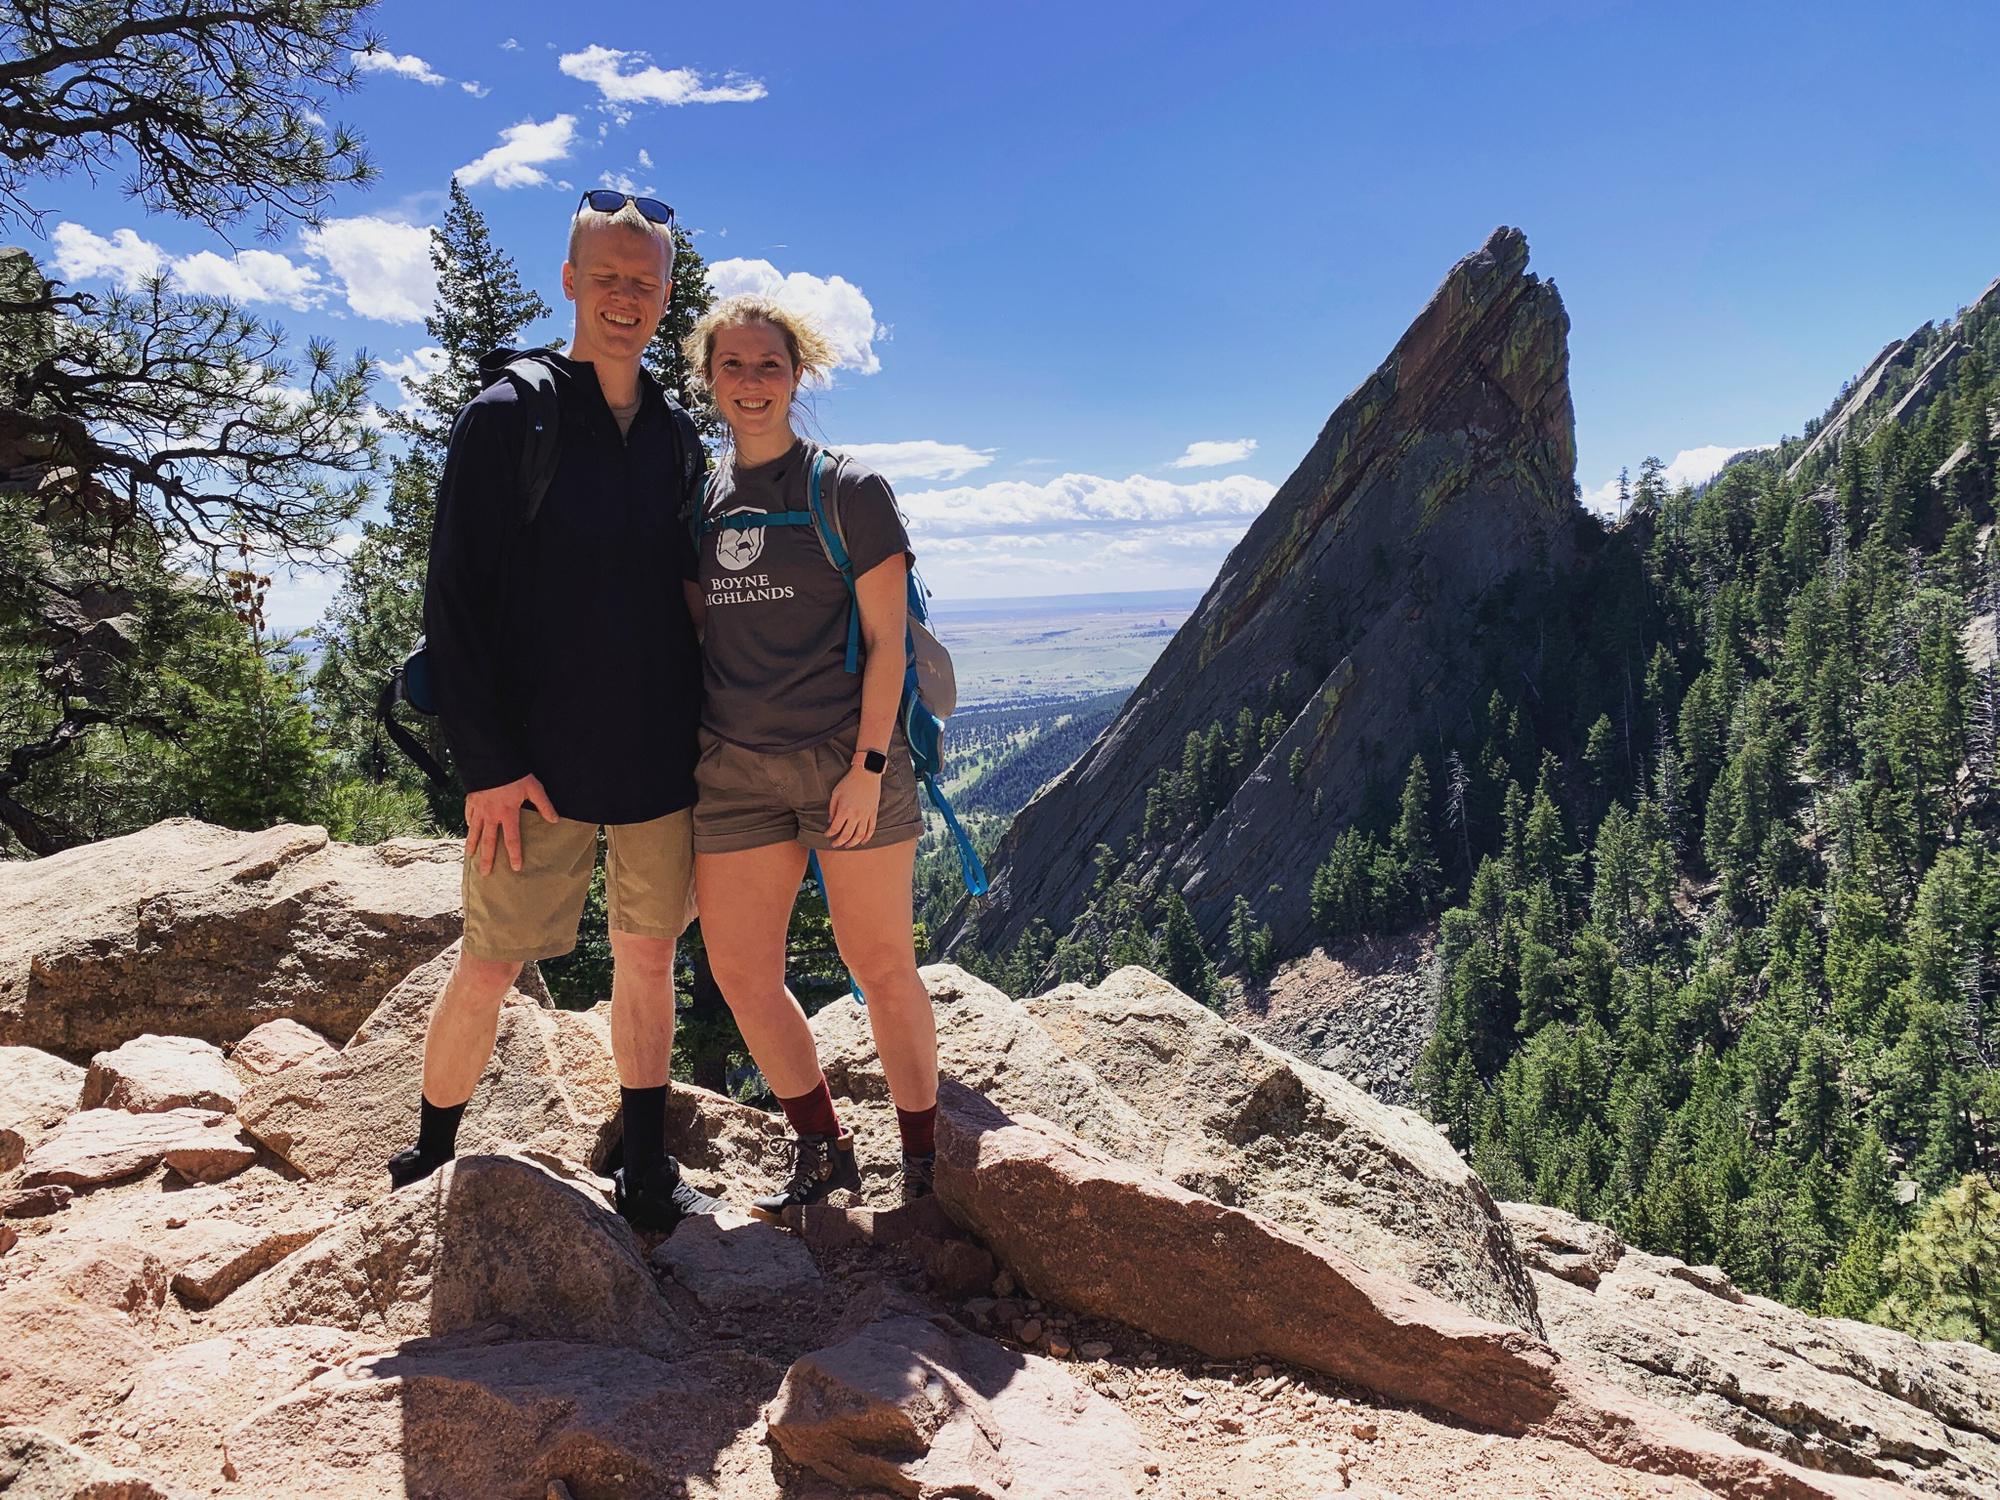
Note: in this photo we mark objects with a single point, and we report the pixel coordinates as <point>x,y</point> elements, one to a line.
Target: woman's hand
<point>850,811</point>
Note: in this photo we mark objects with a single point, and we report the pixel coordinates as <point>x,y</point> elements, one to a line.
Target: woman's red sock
<point>812,1114</point>
<point>919,1127</point>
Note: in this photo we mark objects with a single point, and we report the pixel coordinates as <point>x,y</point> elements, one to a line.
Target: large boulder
<point>1824,1392</point>
<point>74,1326</point>
<point>1140,1071</point>
<point>188,930</point>
<point>35,1466</point>
<point>1111,1240</point>
<point>551,1085</point>
<point>151,1073</point>
<point>485,1239</point>
<point>922,1408</point>
<point>38,1091</point>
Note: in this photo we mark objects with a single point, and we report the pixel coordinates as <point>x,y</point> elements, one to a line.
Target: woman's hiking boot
<point>657,1200</point>
<point>918,1172</point>
<point>823,1164</point>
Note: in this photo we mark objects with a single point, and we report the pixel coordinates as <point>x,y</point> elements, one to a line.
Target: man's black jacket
<point>563,647</point>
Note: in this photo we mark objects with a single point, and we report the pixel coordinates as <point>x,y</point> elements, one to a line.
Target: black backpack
<point>534,380</point>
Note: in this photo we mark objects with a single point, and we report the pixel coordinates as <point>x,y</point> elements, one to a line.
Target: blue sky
<point>1067,248</point>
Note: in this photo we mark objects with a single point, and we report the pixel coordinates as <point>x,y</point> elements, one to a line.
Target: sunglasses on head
<point>610,200</point>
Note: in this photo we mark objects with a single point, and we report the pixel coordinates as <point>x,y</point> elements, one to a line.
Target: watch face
<point>874,760</point>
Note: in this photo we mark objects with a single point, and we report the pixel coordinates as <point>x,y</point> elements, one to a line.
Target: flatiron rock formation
<point>1351,608</point>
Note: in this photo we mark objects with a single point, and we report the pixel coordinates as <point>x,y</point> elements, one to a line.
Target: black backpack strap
<point>542,436</point>
<point>409,744</point>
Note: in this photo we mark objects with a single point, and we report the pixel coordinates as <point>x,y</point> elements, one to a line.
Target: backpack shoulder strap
<point>541,412</point>
<point>823,495</point>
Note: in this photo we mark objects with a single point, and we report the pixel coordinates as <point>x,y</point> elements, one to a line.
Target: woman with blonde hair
<point>801,750</point>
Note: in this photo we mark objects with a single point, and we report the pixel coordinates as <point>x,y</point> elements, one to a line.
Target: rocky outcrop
<point>103,1145</point>
<point>1849,1397</point>
<point>497,1330</point>
<point>38,1091</point>
<point>1897,354</point>
<point>1449,469</point>
<point>1230,1117</point>
<point>193,931</point>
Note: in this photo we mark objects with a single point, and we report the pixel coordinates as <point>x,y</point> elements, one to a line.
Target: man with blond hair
<point>568,681</point>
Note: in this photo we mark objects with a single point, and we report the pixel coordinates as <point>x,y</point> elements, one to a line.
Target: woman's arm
<point>697,606</point>
<point>883,598</point>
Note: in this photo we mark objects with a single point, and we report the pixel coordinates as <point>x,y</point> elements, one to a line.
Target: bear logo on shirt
<point>736,548</point>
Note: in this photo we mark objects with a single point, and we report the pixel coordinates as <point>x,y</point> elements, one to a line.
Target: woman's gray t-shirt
<point>774,634</point>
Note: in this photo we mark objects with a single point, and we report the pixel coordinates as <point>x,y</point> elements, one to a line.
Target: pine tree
<point>691,300</point>
<point>1942,1278</point>
<point>376,617</point>
<point>1182,957</point>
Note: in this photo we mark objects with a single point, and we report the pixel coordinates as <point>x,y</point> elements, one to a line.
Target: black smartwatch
<point>874,762</point>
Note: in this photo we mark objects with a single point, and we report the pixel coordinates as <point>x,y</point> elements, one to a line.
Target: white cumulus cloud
<point>1213,455</point>
<point>251,276</point>
<point>841,309</point>
<point>919,459</point>
<point>517,161</point>
<point>127,259</point>
<point>407,66</point>
<point>124,257</point>
<point>624,78</point>
<point>475,88</point>
<point>403,369</point>
<point>384,268</point>
<point>1074,502</point>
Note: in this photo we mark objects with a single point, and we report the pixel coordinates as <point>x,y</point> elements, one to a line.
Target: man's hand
<point>495,814</point>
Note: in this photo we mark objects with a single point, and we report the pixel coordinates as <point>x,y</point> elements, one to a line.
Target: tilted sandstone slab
<point>505,1421</point>
<point>1448,471</point>
<point>38,1091</point>
<point>1110,1240</point>
<point>1827,1393</point>
<point>484,1239</point>
<point>922,1408</point>
<point>151,1073</point>
<point>188,930</point>
<point>104,1145</point>
<point>276,1046</point>
<point>1145,1074</point>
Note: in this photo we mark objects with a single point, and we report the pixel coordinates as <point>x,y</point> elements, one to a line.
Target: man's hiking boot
<point>411,1165</point>
<point>659,1199</point>
<point>824,1164</point>
<point>917,1174</point>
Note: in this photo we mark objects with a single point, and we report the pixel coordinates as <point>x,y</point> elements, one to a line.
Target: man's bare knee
<point>479,983</point>
<point>644,957</point>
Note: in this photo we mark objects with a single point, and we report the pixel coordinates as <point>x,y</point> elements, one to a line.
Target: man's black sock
<point>437,1131</point>
<point>645,1130</point>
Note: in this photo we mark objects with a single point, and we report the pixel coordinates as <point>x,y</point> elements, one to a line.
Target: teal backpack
<point>930,687</point>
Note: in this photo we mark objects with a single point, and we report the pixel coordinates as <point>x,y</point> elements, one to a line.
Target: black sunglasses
<point>610,200</point>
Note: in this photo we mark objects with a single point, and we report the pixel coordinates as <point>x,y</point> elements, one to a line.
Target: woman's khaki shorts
<point>748,799</point>
<point>532,912</point>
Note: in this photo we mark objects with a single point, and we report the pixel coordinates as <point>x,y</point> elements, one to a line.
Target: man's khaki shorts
<point>748,799</point>
<point>532,912</point>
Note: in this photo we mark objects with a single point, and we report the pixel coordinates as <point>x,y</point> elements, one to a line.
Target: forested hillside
<point>1718,899</point>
